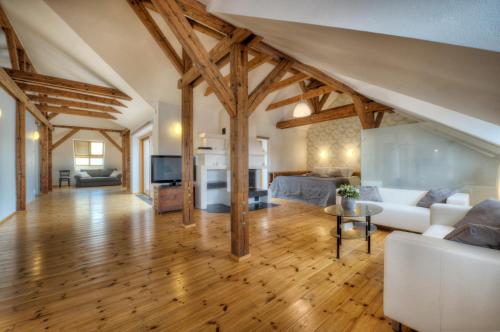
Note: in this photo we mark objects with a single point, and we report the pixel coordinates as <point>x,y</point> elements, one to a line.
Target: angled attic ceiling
<point>453,85</point>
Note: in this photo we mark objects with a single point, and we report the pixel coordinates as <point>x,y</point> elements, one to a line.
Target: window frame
<point>88,156</point>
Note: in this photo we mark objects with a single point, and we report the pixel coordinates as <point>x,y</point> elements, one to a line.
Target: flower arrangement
<point>348,191</point>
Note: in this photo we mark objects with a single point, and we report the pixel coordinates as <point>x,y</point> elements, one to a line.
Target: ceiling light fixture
<point>301,109</point>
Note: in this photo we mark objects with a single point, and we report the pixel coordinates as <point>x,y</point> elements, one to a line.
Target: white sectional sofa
<point>401,210</point>
<point>432,284</point>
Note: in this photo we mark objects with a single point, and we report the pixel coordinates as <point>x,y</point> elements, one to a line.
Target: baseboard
<point>8,217</point>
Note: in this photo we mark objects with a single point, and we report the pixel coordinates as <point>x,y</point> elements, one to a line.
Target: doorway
<point>145,165</point>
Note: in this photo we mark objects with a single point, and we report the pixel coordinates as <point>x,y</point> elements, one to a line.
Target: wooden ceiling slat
<point>307,95</point>
<point>89,128</point>
<point>45,80</point>
<point>69,94</point>
<point>74,111</point>
<point>71,103</point>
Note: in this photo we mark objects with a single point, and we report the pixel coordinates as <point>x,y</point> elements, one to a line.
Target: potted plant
<point>349,194</point>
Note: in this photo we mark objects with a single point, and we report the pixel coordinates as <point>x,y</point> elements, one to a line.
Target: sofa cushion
<point>401,196</point>
<point>98,172</point>
<point>435,196</point>
<point>370,193</point>
<point>480,226</point>
<point>439,231</point>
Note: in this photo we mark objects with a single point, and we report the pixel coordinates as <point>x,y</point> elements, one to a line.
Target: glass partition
<point>417,156</point>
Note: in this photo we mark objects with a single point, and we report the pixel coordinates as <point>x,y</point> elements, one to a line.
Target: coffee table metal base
<point>367,233</point>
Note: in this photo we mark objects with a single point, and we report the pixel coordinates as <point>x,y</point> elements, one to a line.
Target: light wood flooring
<point>99,259</point>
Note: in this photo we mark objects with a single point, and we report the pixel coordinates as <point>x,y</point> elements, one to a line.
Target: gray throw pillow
<point>480,226</point>
<point>435,196</point>
<point>369,193</point>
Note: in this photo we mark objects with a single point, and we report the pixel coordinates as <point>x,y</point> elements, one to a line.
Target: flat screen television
<point>166,169</point>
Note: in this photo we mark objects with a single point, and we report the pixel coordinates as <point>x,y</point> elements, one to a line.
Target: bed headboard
<point>273,175</point>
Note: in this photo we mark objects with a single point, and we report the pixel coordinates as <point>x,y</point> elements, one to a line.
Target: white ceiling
<point>103,42</point>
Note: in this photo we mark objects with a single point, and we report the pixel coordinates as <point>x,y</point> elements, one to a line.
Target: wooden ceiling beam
<point>69,94</point>
<point>64,138</point>
<point>323,100</point>
<point>71,103</point>
<point>308,95</point>
<point>120,131</point>
<point>378,119</point>
<point>326,115</point>
<point>75,111</point>
<point>252,64</point>
<point>111,140</point>
<point>173,16</point>
<point>367,120</point>
<point>218,52</point>
<point>148,21</point>
<point>51,81</point>
<point>311,101</point>
<point>264,87</point>
<point>19,94</point>
<point>289,81</point>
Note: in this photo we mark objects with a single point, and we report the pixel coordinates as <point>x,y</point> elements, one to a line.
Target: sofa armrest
<point>432,284</point>
<point>459,199</point>
<point>447,214</point>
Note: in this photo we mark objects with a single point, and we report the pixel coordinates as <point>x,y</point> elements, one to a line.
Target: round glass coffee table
<point>365,210</point>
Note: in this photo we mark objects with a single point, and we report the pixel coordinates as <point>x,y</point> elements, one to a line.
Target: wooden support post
<point>187,147</point>
<point>49,159</point>
<point>44,160</point>
<point>20,157</point>
<point>126,159</point>
<point>239,153</point>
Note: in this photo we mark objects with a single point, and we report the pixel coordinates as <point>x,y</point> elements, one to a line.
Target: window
<point>89,153</point>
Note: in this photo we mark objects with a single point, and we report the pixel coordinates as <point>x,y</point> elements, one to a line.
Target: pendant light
<point>301,109</point>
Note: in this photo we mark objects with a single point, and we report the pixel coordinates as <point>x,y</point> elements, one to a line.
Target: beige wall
<point>337,142</point>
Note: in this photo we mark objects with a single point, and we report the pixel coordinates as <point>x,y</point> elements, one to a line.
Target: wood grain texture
<point>75,111</point>
<point>367,120</point>
<point>12,88</point>
<point>51,81</point>
<point>173,16</point>
<point>92,259</point>
<point>240,246</point>
<point>90,128</point>
<point>20,157</point>
<point>44,159</point>
<point>72,103</point>
<point>111,140</point>
<point>305,96</point>
<point>162,41</point>
<point>331,114</point>
<point>64,138</point>
<point>187,146</point>
<point>69,94</point>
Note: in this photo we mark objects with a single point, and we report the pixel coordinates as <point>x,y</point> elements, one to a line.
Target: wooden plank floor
<point>99,259</point>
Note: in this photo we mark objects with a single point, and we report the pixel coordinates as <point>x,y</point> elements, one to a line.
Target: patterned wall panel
<point>337,142</point>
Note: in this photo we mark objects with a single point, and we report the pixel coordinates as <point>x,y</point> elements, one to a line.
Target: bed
<point>308,187</point>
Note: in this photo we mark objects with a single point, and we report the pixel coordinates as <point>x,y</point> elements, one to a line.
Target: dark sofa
<point>98,177</point>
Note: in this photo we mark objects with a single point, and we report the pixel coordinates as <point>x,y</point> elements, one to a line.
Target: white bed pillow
<point>115,173</point>
<point>83,175</point>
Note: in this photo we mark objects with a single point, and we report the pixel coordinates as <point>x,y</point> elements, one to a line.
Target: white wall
<point>32,159</point>
<point>7,155</point>
<point>166,129</point>
<point>62,156</point>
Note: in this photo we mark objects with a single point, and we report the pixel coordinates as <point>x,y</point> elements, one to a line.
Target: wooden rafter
<point>72,103</point>
<point>111,140</point>
<point>15,91</point>
<point>156,33</point>
<point>323,100</point>
<point>378,119</point>
<point>174,17</point>
<point>328,115</point>
<point>367,119</point>
<point>308,95</point>
<point>69,94</point>
<point>75,111</point>
<point>289,81</point>
<point>312,102</point>
<point>45,80</point>
<point>64,138</point>
<point>252,64</point>
<point>264,88</point>
<point>90,128</point>
<point>218,52</point>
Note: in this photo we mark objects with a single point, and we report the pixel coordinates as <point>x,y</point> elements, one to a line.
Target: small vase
<point>348,204</point>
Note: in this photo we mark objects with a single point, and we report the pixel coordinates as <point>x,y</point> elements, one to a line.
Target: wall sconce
<point>175,129</point>
<point>323,154</point>
<point>0,114</point>
<point>36,135</point>
<point>350,153</point>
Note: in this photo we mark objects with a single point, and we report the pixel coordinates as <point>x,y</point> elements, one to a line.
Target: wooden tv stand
<point>167,198</point>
